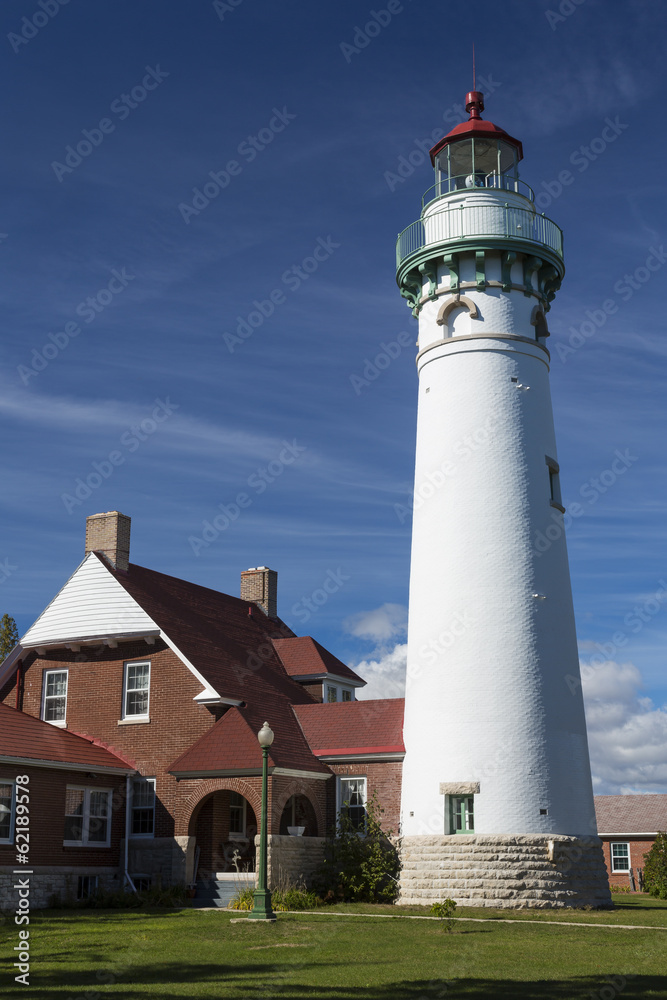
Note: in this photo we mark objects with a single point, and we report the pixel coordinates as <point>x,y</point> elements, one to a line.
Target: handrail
<point>463,222</point>
<point>461,182</point>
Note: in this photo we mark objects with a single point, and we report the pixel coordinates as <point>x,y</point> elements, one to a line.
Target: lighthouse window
<point>554,483</point>
<point>461,814</point>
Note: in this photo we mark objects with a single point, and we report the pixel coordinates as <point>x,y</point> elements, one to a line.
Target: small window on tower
<point>554,484</point>
<point>461,814</point>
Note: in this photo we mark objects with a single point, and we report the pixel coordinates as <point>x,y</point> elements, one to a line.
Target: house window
<point>332,693</point>
<point>347,695</point>
<point>143,807</point>
<point>620,857</point>
<point>86,887</point>
<point>142,883</point>
<point>55,696</point>
<point>87,812</point>
<point>555,497</point>
<point>137,682</point>
<point>6,812</point>
<point>352,801</point>
<point>461,814</point>
<point>237,816</point>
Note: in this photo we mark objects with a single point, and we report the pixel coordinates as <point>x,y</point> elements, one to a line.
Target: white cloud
<point>379,625</point>
<point>385,674</point>
<point>627,733</point>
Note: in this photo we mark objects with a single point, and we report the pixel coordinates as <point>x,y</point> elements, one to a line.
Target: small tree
<point>9,636</point>
<point>655,868</point>
<point>359,867</point>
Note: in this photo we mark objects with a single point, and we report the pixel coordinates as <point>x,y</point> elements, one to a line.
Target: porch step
<point>219,892</point>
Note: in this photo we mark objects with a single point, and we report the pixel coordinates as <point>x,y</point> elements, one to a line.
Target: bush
<point>655,868</point>
<point>243,900</point>
<point>359,867</point>
<point>285,896</point>
<point>445,911</point>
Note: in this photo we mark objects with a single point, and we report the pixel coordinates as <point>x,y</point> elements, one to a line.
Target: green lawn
<point>91,954</point>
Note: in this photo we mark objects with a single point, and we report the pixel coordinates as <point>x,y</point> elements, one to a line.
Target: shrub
<point>655,868</point>
<point>445,911</point>
<point>359,867</point>
<point>243,900</point>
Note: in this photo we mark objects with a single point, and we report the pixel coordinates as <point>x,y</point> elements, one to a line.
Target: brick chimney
<point>260,586</point>
<point>109,535</point>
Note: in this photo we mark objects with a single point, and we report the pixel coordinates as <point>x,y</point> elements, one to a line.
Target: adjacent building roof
<point>626,814</point>
<point>26,739</point>
<point>231,746</point>
<point>353,728</point>
<point>304,658</point>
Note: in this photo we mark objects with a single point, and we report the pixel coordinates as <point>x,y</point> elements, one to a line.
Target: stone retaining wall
<point>292,859</point>
<point>168,860</point>
<point>506,871</point>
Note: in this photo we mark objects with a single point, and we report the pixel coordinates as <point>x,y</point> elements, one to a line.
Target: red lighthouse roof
<point>475,128</point>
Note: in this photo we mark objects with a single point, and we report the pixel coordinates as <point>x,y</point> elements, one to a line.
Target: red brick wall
<point>47,817</point>
<point>383,778</point>
<point>638,848</point>
<point>94,707</point>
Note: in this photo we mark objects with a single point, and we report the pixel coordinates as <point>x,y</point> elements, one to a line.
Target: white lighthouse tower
<point>497,802</point>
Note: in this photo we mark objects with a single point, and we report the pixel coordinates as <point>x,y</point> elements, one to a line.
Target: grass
<point>179,954</point>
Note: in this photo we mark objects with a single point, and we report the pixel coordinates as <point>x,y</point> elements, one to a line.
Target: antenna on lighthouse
<point>473,67</point>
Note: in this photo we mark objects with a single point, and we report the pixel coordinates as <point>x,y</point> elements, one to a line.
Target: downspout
<point>19,682</point>
<point>126,861</point>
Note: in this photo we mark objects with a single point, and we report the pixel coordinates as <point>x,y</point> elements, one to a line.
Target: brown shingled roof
<point>28,738</point>
<point>631,813</point>
<point>353,727</point>
<point>302,656</point>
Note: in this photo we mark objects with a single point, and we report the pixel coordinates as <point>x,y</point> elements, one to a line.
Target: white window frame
<point>331,688</point>
<point>132,716</point>
<point>89,883</point>
<point>12,810</point>
<point>344,692</point>
<point>555,497</point>
<point>144,781</point>
<point>341,798</point>
<point>238,834</point>
<point>45,682</point>
<point>86,817</point>
<point>614,869</point>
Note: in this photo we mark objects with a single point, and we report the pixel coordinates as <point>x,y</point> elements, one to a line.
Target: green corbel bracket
<point>452,262</point>
<point>480,270</point>
<point>411,288</point>
<point>430,271</point>
<point>508,258</point>
<point>530,264</point>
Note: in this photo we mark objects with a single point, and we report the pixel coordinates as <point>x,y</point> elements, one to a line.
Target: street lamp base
<point>261,909</point>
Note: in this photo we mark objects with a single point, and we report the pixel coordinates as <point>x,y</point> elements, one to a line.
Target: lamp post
<point>261,909</point>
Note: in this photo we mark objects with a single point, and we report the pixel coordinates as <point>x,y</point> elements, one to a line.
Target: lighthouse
<point>497,800</point>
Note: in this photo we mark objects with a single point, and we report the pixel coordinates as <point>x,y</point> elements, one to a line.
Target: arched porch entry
<point>298,812</point>
<point>224,824</point>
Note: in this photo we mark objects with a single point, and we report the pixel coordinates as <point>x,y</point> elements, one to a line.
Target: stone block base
<point>292,859</point>
<point>531,870</point>
<point>53,883</point>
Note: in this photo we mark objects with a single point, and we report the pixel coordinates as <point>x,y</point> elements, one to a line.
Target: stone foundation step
<point>219,892</point>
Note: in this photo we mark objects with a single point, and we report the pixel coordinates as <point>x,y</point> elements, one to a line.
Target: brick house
<point>172,681</point>
<point>628,826</point>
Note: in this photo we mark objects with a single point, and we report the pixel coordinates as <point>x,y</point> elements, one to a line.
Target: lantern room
<point>475,154</point>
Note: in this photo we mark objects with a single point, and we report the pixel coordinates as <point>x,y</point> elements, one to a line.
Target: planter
<point>295,831</point>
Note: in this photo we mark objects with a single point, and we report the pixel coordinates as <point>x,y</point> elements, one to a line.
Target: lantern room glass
<point>476,162</point>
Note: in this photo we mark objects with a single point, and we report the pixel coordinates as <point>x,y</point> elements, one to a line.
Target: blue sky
<point>191,336</point>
